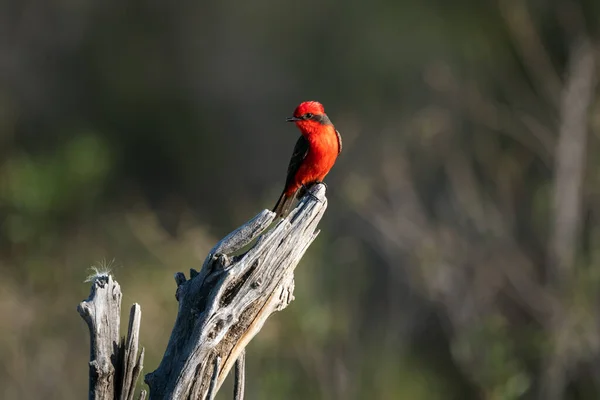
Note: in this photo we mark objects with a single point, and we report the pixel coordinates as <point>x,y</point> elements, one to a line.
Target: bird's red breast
<point>323,149</point>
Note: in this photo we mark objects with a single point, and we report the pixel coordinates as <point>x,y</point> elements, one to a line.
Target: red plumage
<point>314,154</point>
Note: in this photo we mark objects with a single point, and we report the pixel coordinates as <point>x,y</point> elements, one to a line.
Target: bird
<point>315,152</point>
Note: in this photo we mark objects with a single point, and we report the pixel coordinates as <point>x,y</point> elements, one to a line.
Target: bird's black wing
<point>285,203</point>
<point>339,137</point>
<point>299,154</point>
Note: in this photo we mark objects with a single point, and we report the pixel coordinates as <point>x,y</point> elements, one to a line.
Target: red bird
<point>314,154</point>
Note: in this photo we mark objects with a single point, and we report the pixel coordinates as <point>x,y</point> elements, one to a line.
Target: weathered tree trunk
<point>114,364</point>
<point>225,305</point>
<point>221,308</point>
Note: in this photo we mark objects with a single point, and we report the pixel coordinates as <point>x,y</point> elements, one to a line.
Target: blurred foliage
<point>136,134</point>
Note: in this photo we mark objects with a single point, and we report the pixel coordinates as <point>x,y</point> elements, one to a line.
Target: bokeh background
<point>459,257</point>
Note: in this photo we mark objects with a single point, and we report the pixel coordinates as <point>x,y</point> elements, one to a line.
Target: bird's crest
<point>309,107</point>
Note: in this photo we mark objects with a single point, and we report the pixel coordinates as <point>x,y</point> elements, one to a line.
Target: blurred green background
<point>459,255</point>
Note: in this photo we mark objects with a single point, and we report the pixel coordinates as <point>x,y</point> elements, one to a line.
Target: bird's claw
<point>309,193</point>
<point>314,197</point>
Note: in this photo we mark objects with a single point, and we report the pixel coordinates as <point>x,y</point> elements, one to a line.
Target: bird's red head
<point>309,107</point>
<point>310,116</point>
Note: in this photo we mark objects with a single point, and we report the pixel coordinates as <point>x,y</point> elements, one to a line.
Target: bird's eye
<point>308,116</point>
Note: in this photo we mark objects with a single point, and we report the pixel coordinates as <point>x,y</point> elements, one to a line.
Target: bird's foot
<point>306,190</point>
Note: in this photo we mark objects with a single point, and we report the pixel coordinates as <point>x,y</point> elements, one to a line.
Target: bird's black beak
<point>293,119</point>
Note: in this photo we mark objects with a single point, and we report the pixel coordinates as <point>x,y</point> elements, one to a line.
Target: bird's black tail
<point>284,205</point>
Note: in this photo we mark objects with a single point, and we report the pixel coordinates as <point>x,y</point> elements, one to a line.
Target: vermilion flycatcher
<point>314,154</point>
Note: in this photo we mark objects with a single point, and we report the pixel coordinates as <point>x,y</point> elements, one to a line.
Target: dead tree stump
<point>221,308</point>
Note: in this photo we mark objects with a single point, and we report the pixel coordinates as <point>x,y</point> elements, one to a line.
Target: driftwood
<point>221,308</point>
<point>115,365</point>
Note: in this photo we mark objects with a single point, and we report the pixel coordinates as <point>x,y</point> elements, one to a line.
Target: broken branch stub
<point>114,363</point>
<point>225,305</point>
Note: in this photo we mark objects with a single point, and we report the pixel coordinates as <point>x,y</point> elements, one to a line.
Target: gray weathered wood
<point>114,364</point>
<point>212,389</point>
<point>102,312</point>
<point>222,307</point>
<point>132,364</point>
<point>240,376</point>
